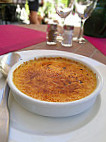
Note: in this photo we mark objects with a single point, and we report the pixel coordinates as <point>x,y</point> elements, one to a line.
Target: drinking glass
<point>84,9</point>
<point>63,9</point>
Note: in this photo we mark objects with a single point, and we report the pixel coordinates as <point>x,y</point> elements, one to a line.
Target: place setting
<point>41,122</point>
<point>52,76</point>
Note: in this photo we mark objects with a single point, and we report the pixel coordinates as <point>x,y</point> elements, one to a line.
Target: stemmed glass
<point>63,9</point>
<point>84,9</point>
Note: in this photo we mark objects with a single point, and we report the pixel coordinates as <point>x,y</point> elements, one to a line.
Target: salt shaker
<point>67,35</point>
<point>51,33</point>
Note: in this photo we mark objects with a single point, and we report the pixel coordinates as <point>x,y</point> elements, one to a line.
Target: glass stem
<point>81,30</point>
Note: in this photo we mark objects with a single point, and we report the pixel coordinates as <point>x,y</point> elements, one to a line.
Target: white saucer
<point>89,126</point>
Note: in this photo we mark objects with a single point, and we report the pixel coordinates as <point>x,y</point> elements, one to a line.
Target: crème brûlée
<point>55,79</point>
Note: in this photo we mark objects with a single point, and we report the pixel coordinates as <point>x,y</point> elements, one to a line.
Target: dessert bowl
<point>55,109</point>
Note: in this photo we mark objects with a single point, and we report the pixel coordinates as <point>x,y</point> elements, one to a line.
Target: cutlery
<point>5,65</point>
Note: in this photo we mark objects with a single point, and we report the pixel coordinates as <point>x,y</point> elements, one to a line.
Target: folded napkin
<point>13,38</point>
<point>99,43</point>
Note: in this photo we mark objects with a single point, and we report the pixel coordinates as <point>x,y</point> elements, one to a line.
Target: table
<point>28,127</point>
<point>86,49</point>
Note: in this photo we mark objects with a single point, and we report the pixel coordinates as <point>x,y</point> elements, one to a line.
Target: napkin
<point>99,43</point>
<point>13,38</point>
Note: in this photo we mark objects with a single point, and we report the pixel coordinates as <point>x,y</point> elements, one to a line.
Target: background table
<point>86,49</point>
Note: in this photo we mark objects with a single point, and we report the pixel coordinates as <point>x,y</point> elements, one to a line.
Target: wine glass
<point>84,9</point>
<point>63,9</point>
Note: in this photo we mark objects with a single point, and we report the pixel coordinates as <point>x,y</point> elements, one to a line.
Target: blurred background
<point>17,12</point>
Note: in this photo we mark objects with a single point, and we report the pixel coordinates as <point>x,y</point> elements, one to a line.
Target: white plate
<point>89,126</point>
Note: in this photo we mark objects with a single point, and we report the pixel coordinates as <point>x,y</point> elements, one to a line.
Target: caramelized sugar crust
<point>54,79</point>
